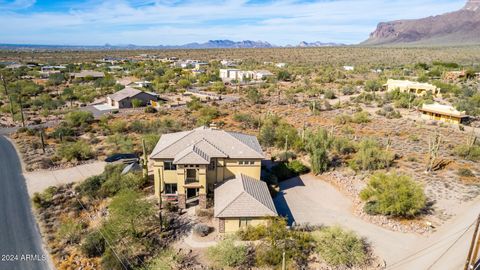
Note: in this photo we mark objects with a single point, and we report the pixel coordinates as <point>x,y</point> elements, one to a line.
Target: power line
<point>406,259</point>
<point>450,247</point>
<point>106,241</point>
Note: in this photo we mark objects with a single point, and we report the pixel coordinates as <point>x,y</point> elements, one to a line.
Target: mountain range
<point>460,27</point>
<point>211,44</point>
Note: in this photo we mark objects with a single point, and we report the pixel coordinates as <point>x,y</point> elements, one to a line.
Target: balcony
<point>191,181</point>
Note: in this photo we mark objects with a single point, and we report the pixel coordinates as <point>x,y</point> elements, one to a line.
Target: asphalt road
<point>20,241</point>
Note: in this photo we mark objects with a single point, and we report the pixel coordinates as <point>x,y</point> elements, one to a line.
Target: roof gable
<point>243,196</point>
<point>214,142</point>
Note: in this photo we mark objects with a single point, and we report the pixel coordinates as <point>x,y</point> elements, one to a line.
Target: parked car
<point>122,158</point>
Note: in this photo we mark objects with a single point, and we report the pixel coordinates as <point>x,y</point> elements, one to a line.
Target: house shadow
<point>281,203</point>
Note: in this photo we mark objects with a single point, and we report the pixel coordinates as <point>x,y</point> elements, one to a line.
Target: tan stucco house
<point>241,202</point>
<point>191,163</point>
<point>444,113</point>
<point>415,88</point>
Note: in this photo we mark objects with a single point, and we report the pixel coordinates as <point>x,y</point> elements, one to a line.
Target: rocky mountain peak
<point>473,5</point>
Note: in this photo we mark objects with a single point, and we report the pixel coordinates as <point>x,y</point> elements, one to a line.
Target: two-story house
<point>189,164</point>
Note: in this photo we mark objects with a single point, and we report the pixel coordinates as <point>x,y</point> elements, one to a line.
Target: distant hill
<point>211,44</point>
<point>461,27</point>
<point>319,44</point>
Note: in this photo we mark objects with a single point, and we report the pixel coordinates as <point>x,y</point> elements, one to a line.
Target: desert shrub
<point>120,143</point>
<point>150,109</point>
<point>201,230</point>
<point>343,146</point>
<point>116,183</point>
<point>252,233</point>
<point>136,103</point>
<point>227,254</point>
<point>207,114</point>
<point>343,119</point>
<point>329,94</point>
<point>165,260</point>
<point>370,156</point>
<point>297,245</point>
<point>298,167</point>
<point>288,170</point>
<point>78,118</point>
<point>79,150</point>
<point>90,186</point>
<point>112,262</point>
<point>254,96</point>
<point>204,212</point>
<point>62,132</point>
<point>118,126</point>
<point>70,230</point>
<point>361,117</point>
<point>469,152</point>
<point>93,245</point>
<point>44,199</point>
<point>464,172</point>
<point>338,247</point>
<point>394,195</point>
<point>247,120</point>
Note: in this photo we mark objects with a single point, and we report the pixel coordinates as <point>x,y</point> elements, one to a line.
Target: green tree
<point>318,144</point>
<point>130,213</point>
<point>393,194</point>
<point>78,118</point>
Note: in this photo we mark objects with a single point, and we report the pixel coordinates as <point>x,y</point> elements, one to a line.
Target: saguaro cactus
<point>433,150</point>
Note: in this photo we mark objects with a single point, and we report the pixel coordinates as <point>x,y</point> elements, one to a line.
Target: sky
<point>175,22</point>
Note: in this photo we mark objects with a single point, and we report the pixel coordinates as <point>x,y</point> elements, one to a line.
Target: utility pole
<point>471,260</point>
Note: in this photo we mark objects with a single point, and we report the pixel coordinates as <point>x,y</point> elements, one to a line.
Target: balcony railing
<point>191,181</point>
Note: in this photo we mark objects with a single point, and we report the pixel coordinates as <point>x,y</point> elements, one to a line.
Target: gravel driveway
<point>307,199</point>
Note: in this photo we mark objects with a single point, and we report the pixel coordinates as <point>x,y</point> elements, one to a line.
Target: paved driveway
<point>307,199</point>
<point>38,181</point>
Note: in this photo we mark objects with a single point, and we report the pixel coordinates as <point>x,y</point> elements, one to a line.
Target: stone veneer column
<point>221,225</point>
<point>202,201</point>
<point>182,201</point>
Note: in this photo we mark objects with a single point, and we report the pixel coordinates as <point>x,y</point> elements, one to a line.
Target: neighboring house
<point>348,68</point>
<point>142,84</point>
<point>46,71</point>
<point>230,74</point>
<point>241,76</point>
<point>87,74</point>
<point>124,97</point>
<point>281,65</point>
<point>443,113</point>
<point>189,164</point>
<point>416,88</point>
<point>241,202</point>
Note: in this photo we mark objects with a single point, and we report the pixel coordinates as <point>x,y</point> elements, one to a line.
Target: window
<point>169,166</point>
<point>244,222</point>
<point>170,188</point>
<point>246,162</point>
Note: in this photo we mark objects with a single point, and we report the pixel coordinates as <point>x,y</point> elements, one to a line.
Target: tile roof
<point>243,196</point>
<point>204,143</point>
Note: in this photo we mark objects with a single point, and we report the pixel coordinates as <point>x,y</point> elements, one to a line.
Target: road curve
<point>20,241</point>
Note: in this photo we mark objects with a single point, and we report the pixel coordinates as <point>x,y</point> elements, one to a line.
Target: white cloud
<point>148,22</point>
<point>17,4</point>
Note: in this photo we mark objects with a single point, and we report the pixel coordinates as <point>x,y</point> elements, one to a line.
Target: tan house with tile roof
<point>189,164</point>
<point>241,202</point>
